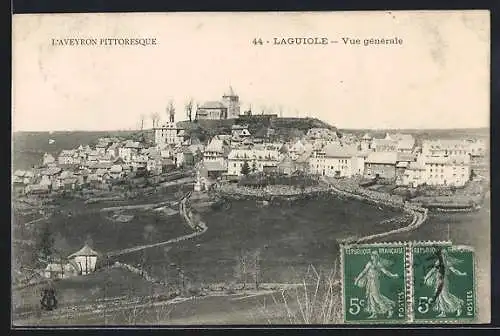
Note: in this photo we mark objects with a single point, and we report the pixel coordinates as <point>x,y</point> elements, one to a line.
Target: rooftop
<point>212,105</point>
<point>84,251</point>
<point>382,158</point>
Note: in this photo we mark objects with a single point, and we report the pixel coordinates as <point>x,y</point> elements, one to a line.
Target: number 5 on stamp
<point>443,283</point>
<point>374,283</point>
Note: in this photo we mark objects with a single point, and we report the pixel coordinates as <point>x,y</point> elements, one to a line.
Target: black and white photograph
<point>179,169</point>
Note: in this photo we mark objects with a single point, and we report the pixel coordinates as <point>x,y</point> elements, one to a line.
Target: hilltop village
<point>394,159</point>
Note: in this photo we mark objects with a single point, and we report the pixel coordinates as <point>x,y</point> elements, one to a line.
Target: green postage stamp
<point>443,283</point>
<point>374,283</point>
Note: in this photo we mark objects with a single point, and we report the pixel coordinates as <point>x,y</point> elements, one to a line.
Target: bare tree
<point>189,109</point>
<point>171,111</point>
<point>196,111</point>
<point>155,118</point>
<point>241,269</point>
<point>142,118</point>
<point>254,268</point>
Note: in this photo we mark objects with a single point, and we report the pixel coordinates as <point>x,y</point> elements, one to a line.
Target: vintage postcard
<point>251,168</point>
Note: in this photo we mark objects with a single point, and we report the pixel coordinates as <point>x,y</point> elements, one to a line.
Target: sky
<point>438,78</point>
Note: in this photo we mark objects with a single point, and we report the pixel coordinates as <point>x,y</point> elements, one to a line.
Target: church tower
<point>232,101</point>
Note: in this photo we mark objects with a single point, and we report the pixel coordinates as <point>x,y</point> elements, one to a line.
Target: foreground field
<point>288,237</point>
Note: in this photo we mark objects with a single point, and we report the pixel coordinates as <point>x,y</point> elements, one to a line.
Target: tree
<point>245,169</point>
<point>254,167</point>
<point>241,269</point>
<point>45,243</point>
<point>143,117</point>
<point>254,268</point>
<point>171,111</point>
<point>155,118</point>
<point>248,267</point>
<point>189,109</point>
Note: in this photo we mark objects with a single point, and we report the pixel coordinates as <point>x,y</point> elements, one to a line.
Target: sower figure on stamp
<point>438,277</point>
<point>369,278</point>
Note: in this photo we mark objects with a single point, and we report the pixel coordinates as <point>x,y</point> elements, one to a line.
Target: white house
<point>414,175</point>
<point>447,170</point>
<point>334,160</point>
<point>405,142</point>
<point>113,150</point>
<point>68,157</point>
<point>48,159</point>
<point>169,133</point>
<point>216,151</point>
<point>61,270</point>
<point>86,259</point>
<point>366,142</point>
<point>259,157</point>
<point>445,147</point>
<point>129,150</point>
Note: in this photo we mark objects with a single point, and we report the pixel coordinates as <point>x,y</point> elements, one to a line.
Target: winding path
<point>199,228</point>
<point>419,216</point>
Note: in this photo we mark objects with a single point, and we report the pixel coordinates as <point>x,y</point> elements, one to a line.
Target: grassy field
<point>290,238</point>
<point>91,290</point>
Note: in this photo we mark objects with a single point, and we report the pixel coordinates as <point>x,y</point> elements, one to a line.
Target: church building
<point>228,108</point>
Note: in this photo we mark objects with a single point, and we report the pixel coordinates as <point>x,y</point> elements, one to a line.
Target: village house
<point>61,269</point>
<point>113,150</point>
<point>447,170</point>
<point>405,142</point>
<point>66,181</point>
<point>261,158</point>
<point>167,151</point>
<point>216,151</point>
<point>366,142</point>
<point>210,171</point>
<point>102,146</point>
<point>228,108</point>
<point>402,162</point>
<point>445,147</point>
<point>239,133</point>
<point>414,175</point>
<point>333,160</point>
<point>116,171</point>
<point>129,150</point>
<point>387,144</point>
<point>48,159</point>
<point>154,166</point>
<point>184,157</point>
<point>49,175</point>
<point>358,161</point>
<point>298,148</point>
<point>86,259</point>
<point>477,147</point>
<point>169,133</point>
<point>68,157</point>
<point>381,164</point>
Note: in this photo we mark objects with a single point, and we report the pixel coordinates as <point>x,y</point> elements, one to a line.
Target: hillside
<point>284,127</point>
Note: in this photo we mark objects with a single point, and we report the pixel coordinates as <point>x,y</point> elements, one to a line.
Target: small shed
<point>86,259</point>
